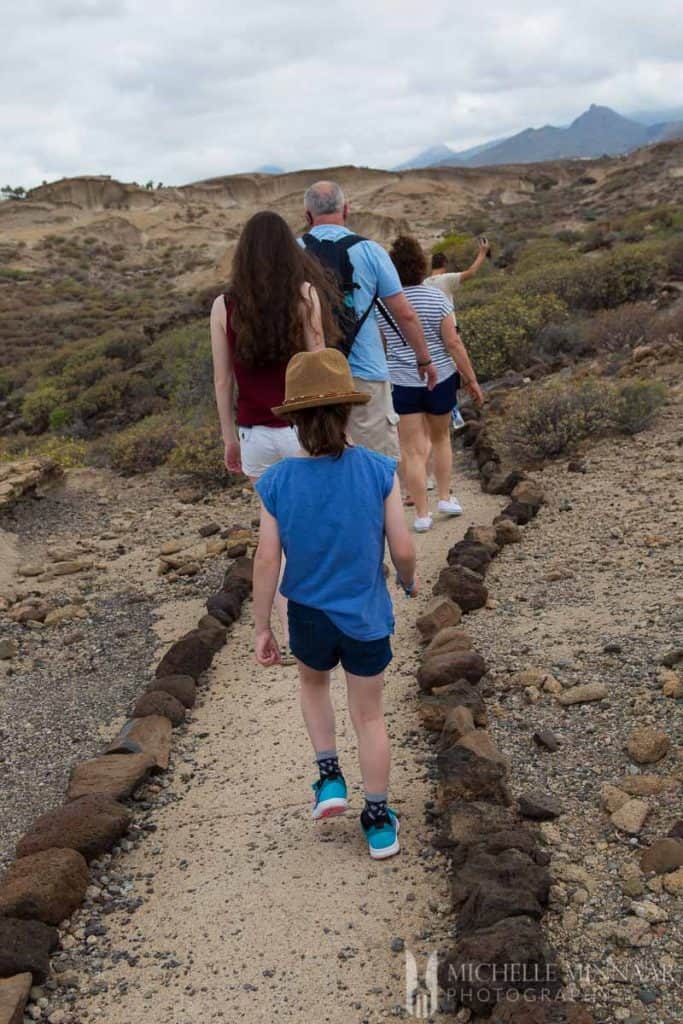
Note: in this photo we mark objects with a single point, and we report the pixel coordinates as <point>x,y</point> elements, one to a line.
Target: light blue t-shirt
<point>330,514</point>
<point>373,272</point>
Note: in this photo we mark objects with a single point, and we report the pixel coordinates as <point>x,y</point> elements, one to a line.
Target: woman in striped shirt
<point>425,415</point>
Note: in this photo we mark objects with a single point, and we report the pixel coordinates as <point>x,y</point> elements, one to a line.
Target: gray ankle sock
<point>328,763</point>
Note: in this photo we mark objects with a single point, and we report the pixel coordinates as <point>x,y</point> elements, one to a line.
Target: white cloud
<point>179,91</point>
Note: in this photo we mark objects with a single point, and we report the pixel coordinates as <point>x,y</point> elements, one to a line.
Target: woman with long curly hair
<point>279,303</point>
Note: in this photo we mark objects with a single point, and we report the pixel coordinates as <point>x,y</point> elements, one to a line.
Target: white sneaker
<point>431,483</point>
<point>422,524</point>
<point>451,507</point>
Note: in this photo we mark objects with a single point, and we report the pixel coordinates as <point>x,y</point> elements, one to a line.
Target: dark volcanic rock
<point>90,825</point>
<point>26,946</point>
<point>546,739</point>
<point>113,775</point>
<point>188,656</point>
<point>539,806</point>
<point>518,512</point>
<point>433,708</point>
<point>442,669</point>
<point>45,886</point>
<point>504,483</point>
<point>438,615</point>
<point>158,702</point>
<point>478,973</point>
<point>463,586</point>
<point>467,775</point>
<point>182,687</point>
<point>470,554</point>
<point>226,606</point>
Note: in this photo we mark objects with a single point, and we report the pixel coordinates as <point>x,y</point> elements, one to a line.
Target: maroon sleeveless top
<point>259,387</point>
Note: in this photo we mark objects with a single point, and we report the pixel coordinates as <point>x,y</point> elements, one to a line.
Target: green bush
<point>143,446</point>
<point>84,370</point>
<point>549,422</point>
<point>624,275</point>
<point>38,405</point>
<point>542,252</point>
<point>500,335</point>
<point>620,328</point>
<point>199,453</point>
<point>101,397</point>
<point>636,405</point>
<point>59,418</point>
<point>460,250</point>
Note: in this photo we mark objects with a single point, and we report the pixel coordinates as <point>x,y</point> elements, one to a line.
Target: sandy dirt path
<point>252,912</point>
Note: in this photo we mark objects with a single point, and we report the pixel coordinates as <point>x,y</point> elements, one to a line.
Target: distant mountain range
<point>599,131</point>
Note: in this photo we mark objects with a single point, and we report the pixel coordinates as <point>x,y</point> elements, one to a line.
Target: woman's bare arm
<point>224,384</point>
<point>311,318</point>
<point>458,353</point>
<point>401,544</point>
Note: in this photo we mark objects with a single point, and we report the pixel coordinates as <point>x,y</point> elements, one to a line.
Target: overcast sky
<point>181,90</point>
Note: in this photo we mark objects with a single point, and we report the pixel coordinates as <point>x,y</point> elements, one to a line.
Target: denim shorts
<point>439,401</point>
<point>318,643</point>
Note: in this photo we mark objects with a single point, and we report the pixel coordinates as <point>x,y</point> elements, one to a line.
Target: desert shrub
<point>193,377</point>
<point>143,446</point>
<point>542,252</point>
<point>38,405</point>
<point>597,236</point>
<point>84,370</point>
<point>199,453</point>
<point>625,275</point>
<point>566,337</point>
<point>6,385</point>
<point>554,420</point>
<point>500,334</point>
<point>673,254</point>
<point>568,236</point>
<point>619,328</point>
<point>65,451</point>
<point>667,327</point>
<point>635,405</point>
<point>59,418</point>
<point>124,346</point>
<point>100,397</point>
<point>460,250</point>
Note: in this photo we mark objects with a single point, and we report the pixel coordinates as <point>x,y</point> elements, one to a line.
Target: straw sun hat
<point>318,378</point>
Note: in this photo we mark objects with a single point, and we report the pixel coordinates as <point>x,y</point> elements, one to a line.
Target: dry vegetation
<point>104,291</point>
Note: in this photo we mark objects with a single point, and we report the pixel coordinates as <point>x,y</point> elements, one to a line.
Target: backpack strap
<point>361,320</point>
<point>389,319</point>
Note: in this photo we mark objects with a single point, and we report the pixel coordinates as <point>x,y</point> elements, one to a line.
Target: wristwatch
<point>423,363</point>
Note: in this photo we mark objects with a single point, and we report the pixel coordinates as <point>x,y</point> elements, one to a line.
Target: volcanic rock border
<point>501,965</point>
<point>50,877</point>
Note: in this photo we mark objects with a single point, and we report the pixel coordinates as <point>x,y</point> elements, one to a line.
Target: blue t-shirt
<point>330,514</point>
<point>373,272</point>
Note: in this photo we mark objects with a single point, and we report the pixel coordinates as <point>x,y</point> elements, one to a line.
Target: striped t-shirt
<point>431,306</point>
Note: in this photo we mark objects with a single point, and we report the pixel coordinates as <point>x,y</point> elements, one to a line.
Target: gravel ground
<point>70,686</point>
<point>593,594</point>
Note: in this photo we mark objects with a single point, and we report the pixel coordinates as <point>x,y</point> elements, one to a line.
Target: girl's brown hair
<point>409,259</point>
<point>269,268</point>
<point>322,431</point>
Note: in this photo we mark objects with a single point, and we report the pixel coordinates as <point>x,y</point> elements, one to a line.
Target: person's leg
<point>414,451</point>
<point>440,437</point>
<point>365,697</point>
<point>280,602</point>
<point>316,708</point>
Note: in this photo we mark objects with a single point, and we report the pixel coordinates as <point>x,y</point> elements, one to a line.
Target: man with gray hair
<point>366,275</point>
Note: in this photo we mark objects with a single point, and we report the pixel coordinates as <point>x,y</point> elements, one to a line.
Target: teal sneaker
<point>382,836</point>
<point>329,797</point>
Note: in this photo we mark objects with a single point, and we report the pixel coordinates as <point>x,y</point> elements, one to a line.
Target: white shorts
<point>261,447</point>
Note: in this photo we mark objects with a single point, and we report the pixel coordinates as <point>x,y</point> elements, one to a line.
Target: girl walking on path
<point>425,415</point>
<point>331,510</point>
<point>278,304</point>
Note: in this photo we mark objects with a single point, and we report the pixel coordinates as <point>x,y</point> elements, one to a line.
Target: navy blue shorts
<point>437,402</point>
<point>317,642</point>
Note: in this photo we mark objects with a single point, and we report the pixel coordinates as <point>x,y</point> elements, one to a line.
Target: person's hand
<point>475,392</point>
<point>428,373</point>
<point>484,245</point>
<point>233,457</point>
<point>267,650</point>
<point>410,589</point>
